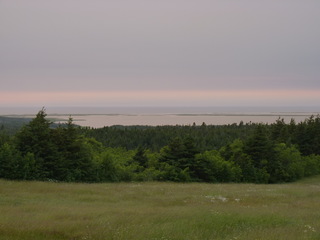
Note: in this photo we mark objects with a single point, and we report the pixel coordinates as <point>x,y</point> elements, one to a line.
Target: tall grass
<point>159,211</point>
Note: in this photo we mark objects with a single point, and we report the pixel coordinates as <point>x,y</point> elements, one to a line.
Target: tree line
<point>257,153</point>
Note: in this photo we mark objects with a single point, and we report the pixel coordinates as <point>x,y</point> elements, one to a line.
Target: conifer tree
<point>36,138</point>
<point>261,150</point>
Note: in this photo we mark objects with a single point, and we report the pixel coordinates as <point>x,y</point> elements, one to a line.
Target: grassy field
<point>159,211</point>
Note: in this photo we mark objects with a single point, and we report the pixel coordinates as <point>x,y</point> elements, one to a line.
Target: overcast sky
<point>169,52</point>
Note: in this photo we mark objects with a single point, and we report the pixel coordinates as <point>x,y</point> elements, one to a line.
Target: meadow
<point>159,211</point>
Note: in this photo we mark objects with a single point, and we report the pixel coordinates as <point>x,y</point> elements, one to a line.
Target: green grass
<point>159,211</point>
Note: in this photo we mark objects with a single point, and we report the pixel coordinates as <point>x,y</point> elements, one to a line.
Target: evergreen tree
<point>35,138</point>
<point>3,138</point>
<point>234,152</point>
<point>75,161</point>
<point>189,157</point>
<point>280,131</point>
<point>174,162</point>
<point>259,147</point>
<point>140,157</point>
<point>261,150</point>
<point>172,152</point>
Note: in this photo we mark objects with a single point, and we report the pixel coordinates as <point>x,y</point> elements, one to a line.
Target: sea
<point>97,117</point>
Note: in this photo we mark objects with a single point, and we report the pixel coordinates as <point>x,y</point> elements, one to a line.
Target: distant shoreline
<point>102,120</point>
<point>157,116</point>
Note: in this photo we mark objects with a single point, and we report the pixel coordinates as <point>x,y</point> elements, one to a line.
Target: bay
<point>97,117</point>
<point>98,121</point>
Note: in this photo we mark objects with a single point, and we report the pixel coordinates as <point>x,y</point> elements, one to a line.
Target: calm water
<point>170,119</point>
<point>99,117</point>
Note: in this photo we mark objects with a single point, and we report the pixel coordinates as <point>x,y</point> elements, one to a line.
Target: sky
<point>159,53</point>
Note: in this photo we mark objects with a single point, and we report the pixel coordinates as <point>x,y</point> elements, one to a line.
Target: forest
<point>253,152</point>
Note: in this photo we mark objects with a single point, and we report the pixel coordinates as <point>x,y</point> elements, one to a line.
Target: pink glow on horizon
<point>162,98</point>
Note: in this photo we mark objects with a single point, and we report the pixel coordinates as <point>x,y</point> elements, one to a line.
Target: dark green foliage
<point>107,170</point>
<point>154,138</point>
<point>212,167</point>
<point>11,125</point>
<point>289,165</point>
<point>179,155</point>
<point>260,148</point>
<point>35,138</point>
<point>234,152</point>
<point>75,158</point>
<point>311,165</point>
<point>4,138</point>
<point>307,136</point>
<point>140,158</point>
<point>54,153</point>
<point>173,162</point>
<point>257,153</point>
<point>8,161</point>
<point>15,166</point>
<point>280,131</point>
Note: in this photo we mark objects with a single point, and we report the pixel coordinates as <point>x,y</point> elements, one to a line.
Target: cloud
<point>123,48</point>
<point>162,98</point>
